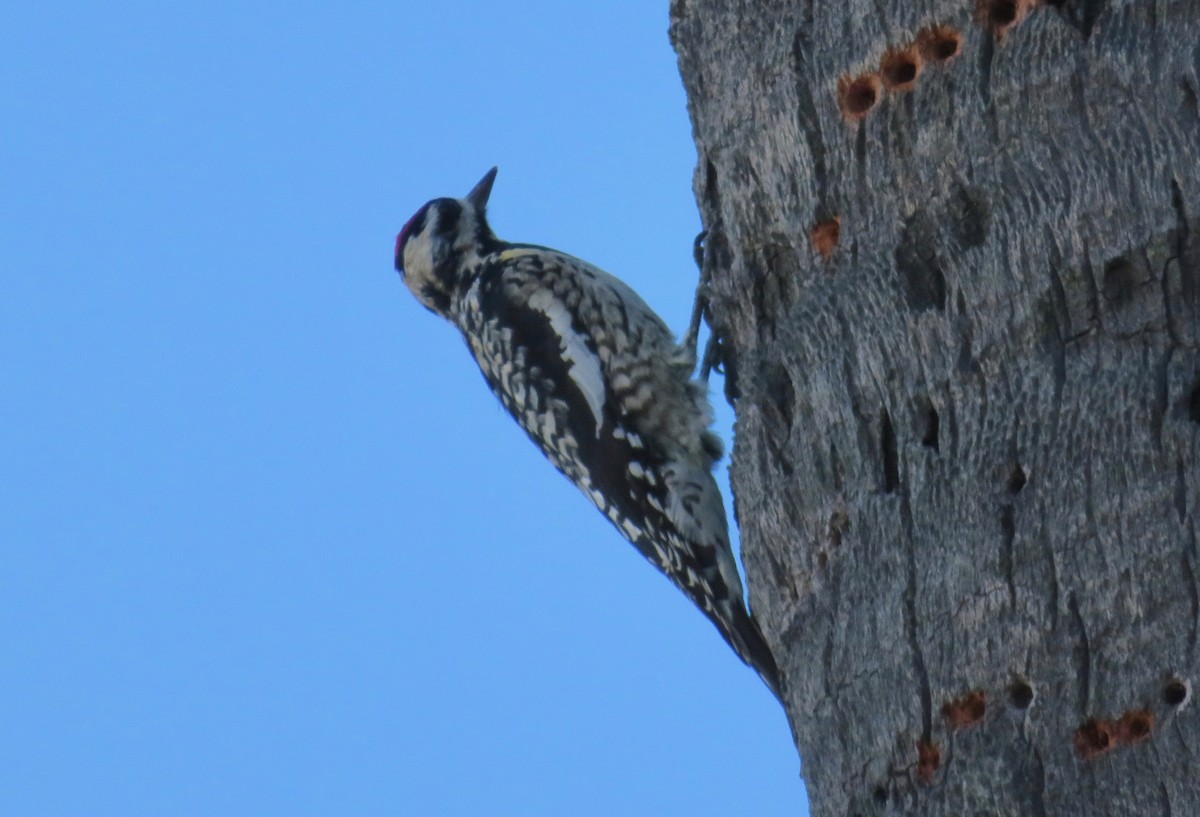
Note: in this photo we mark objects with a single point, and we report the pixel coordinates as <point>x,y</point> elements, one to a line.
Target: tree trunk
<point>961,331</point>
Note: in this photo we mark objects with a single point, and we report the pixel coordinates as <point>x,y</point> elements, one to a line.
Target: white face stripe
<point>426,247</point>
<point>584,365</point>
<point>418,259</point>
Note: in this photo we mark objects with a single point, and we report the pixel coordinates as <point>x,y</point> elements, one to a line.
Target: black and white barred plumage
<point>597,380</point>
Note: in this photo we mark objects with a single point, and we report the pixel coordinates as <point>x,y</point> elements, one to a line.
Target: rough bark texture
<point>967,456</point>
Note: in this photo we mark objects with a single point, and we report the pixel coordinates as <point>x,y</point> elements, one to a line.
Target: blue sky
<point>269,545</point>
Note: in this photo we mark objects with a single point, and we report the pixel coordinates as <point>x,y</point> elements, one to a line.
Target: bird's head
<point>437,246</point>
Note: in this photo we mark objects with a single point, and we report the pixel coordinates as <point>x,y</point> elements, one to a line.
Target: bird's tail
<point>743,634</point>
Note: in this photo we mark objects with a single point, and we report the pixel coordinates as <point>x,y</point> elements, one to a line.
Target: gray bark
<point>967,452</point>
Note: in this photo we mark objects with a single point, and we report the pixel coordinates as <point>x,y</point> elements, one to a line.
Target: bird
<point>598,382</point>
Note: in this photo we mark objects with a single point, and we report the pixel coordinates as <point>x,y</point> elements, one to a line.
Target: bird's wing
<point>547,371</point>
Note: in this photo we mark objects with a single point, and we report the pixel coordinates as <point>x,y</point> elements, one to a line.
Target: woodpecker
<point>598,382</point>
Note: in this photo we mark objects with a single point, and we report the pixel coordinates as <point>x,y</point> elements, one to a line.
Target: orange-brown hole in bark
<point>965,711</point>
<point>825,236</point>
<point>901,68</point>
<point>940,43</point>
<point>1020,694</point>
<point>929,757</point>
<point>1001,13</point>
<point>1001,16</point>
<point>1094,737</point>
<point>1176,692</point>
<point>1135,726</point>
<point>859,96</point>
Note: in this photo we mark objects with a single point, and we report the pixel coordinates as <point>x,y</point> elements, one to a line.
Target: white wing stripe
<point>584,366</point>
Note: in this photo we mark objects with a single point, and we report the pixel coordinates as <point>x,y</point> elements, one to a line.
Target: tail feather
<point>743,634</point>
